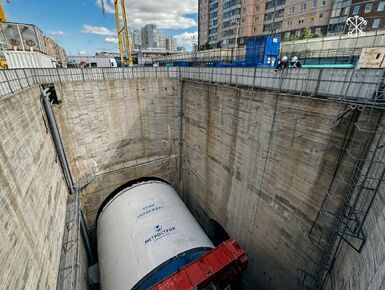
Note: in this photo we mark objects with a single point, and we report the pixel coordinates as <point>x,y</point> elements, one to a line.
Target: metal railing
<point>342,216</point>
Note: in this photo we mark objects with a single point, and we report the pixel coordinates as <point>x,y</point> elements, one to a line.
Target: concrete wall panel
<point>33,195</point>
<point>118,130</point>
<point>260,164</point>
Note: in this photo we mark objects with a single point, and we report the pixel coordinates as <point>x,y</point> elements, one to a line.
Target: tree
<point>307,34</point>
<point>318,34</point>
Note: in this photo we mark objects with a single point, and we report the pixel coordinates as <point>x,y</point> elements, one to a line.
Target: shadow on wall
<point>216,232</point>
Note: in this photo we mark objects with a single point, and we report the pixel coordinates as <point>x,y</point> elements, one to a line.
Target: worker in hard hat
<point>283,63</point>
<point>295,63</point>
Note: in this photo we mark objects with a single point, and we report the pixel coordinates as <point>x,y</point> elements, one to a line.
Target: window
<point>303,6</point>
<point>376,23</point>
<point>256,18</point>
<point>368,7</point>
<point>289,22</point>
<point>311,18</point>
<point>321,15</point>
<point>291,10</point>
<point>287,35</point>
<point>346,11</point>
<point>314,4</point>
<point>381,6</point>
<point>255,29</point>
<point>300,21</point>
<point>324,2</point>
<point>257,8</point>
<point>356,9</point>
<point>243,20</point>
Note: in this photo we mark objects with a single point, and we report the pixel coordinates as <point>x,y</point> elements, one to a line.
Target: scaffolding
<point>345,208</point>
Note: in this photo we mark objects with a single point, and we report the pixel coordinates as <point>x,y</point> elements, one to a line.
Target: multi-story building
<point>55,51</point>
<point>136,39</point>
<point>299,14</point>
<point>372,11</point>
<point>225,23</point>
<point>160,41</point>
<point>148,36</point>
<point>170,43</point>
<point>152,39</point>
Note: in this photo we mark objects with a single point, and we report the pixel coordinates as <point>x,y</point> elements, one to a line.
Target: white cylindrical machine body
<point>141,228</point>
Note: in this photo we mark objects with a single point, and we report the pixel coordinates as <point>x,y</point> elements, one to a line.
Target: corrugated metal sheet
<point>28,59</point>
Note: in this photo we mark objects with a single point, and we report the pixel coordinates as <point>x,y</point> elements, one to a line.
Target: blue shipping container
<point>262,51</point>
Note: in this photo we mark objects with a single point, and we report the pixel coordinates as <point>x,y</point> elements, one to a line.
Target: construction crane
<point>123,39</point>
<point>3,18</point>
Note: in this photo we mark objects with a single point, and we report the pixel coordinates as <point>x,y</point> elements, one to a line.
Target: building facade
<point>55,51</point>
<point>227,23</point>
<point>136,39</point>
<point>148,36</point>
<point>170,43</point>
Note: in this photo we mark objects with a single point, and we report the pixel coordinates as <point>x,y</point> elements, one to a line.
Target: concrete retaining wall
<point>260,164</point>
<point>115,131</point>
<point>33,195</point>
<point>365,270</point>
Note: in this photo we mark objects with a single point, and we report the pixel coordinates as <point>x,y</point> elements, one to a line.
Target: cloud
<point>187,39</point>
<point>56,33</point>
<point>169,14</point>
<point>81,52</point>
<point>111,40</point>
<point>98,30</point>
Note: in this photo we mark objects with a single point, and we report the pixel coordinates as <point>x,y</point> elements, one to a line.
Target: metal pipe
<point>57,139</point>
<point>86,239</point>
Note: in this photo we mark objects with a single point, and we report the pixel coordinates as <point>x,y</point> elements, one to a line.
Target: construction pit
<point>290,165</point>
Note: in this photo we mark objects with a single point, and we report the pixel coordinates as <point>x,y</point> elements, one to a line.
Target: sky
<point>81,28</point>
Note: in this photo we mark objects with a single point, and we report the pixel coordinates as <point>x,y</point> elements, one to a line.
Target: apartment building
<point>223,23</point>
<point>55,51</point>
<point>148,33</point>
<point>372,11</point>
<point>136,37</point>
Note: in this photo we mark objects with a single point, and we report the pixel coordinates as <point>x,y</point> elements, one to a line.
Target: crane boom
<point>126,34</point>
<point>3,17</point>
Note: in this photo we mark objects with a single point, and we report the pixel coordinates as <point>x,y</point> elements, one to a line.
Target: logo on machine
<point>148,209</point>
<point>158,228</point>
<point>160,232</point>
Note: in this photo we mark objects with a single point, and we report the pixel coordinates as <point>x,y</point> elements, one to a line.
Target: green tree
<point>307,34</point>
<point>318,34</point>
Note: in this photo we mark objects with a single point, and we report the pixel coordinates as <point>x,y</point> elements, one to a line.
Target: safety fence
<point>343,84</point>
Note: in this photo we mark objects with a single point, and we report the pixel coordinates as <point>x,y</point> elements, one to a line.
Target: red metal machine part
<point>224,264</point>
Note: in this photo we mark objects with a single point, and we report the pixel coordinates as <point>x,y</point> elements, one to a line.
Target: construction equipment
<point>3,18</point>
<point>123,34</point>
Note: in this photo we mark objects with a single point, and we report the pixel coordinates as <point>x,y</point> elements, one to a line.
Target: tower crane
<point>123,34</point>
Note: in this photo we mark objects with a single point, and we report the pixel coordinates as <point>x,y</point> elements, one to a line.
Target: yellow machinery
<point>126,37</point>
<point>3,18</point>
